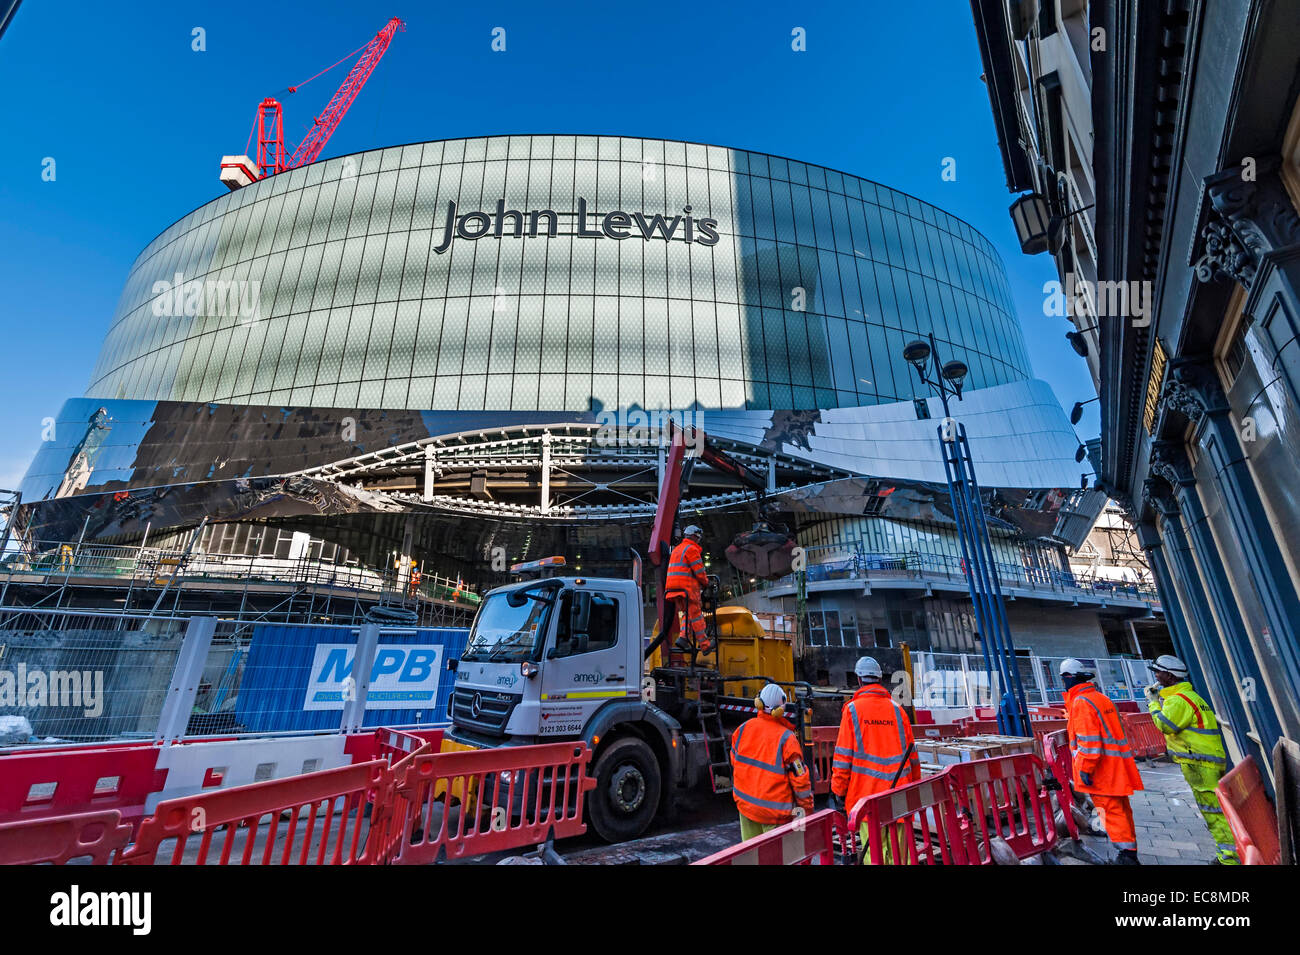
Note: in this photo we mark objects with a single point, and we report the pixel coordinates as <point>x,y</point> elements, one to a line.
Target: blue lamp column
<point>978,558</point>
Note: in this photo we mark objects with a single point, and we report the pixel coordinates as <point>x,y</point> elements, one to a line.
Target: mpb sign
<point>404,677</point>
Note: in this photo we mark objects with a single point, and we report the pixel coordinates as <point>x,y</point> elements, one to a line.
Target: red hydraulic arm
<point>677,474</point>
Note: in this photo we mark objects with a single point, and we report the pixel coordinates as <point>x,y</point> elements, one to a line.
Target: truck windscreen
<point>507,634</point>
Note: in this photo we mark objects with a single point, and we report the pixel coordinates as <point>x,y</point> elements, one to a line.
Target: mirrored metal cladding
<point>557,273</point>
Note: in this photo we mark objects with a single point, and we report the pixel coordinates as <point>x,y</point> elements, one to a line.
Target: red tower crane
<point>237,171</point>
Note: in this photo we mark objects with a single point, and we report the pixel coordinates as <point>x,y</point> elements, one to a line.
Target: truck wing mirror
<point>452,663</point>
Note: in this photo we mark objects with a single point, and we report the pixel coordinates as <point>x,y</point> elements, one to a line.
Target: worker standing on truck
<point>875,748</point>
<point>1193,739</point>
<point>686,580</point>
<point>769,779</point>
<point>1103,763</point>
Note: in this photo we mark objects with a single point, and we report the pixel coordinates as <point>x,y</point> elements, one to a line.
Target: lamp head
<point>917,353</point>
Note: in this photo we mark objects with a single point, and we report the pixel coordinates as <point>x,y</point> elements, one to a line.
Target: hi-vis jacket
<point>1099,743</point>
<point>874,735</point>
<point>768,774</point>
<point>686,569</point>
<point>1190,727</point>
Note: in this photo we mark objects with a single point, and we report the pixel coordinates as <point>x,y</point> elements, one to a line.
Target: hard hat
<point>1072,667</point>
<point>867,667</point>
<point>1170,664</point>
<point>693,531</point>
<point>772,697</point>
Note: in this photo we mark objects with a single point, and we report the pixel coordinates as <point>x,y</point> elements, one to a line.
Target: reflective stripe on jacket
<point>1191,729</point>
<point>686,569</point>
<point>1099,743</point>
<point>874,735</point>
<point>768,774</point>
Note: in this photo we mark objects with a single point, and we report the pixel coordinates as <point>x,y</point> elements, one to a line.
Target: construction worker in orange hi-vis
<point>875,749</point>
<point>686,579</point>
<point>769,779</point>
<point>1103,762</point>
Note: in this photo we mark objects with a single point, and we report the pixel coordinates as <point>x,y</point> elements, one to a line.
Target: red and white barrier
<point>808,841</point>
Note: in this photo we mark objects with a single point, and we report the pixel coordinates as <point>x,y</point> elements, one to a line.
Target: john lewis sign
<point>613,225</point>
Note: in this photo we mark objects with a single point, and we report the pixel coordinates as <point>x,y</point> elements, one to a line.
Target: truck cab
<point>561,658</point>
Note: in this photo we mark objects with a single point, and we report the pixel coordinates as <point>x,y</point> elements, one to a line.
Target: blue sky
<point>137,121</point>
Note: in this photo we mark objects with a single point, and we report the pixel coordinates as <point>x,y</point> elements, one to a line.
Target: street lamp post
<point>978,561</point>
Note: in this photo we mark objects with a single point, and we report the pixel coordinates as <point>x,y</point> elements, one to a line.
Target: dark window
<point>588,622</point>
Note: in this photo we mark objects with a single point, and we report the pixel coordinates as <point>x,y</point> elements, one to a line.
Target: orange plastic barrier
<point>1007,798</point>
<point>326,813</point>
<point>1251,815</point>
<point>98,836</point>
<point>1144,737</point>
<point>812,840</point>
<point>518,795</point>
<point>823,755</point>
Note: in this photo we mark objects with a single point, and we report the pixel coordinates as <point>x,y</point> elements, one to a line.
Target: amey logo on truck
<point>614,225</point>
<point>403,677</point>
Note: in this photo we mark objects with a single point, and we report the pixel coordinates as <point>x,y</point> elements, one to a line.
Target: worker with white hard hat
<point>1194,741</point>
<point>1103,762</point>
<point>874,750</point>
<point>770,781</point>
<point>685,582</point>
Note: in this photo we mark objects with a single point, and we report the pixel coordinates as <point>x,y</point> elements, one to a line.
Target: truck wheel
<point>626,796</point>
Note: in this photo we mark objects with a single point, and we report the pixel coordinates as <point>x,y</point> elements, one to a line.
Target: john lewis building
<point>415,348</point>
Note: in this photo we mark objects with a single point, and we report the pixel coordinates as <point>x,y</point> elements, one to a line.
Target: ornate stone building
<point>1196,161</point>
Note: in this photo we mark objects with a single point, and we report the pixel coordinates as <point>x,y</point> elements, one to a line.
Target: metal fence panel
<point>84,678</point>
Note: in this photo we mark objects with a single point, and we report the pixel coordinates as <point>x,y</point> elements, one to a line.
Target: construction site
<point>276,591</point>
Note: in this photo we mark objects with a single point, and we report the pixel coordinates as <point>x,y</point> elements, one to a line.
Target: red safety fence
<point>1005,798</point>
<point>314,819</point>
<point>913,824</point>
<point>937,730</point>
<point>823,755</point>
<point>96,836</point>
<point>457,804</point>
<point>368,813</point>
<point>1144,737</point>
<point>813,840</point>
<point>1252,817</point>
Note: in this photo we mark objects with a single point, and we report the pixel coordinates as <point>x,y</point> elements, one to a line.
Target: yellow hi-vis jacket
<point>1191,729</point>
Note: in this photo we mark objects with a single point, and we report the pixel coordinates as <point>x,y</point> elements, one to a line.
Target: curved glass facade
<point>694,275</point>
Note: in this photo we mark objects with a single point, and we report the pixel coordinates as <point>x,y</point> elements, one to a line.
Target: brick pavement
<point>1170,830</point>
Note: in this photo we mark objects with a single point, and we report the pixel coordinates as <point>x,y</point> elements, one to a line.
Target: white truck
<point>562,658</point>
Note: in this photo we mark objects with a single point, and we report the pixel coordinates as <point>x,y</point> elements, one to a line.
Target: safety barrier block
<point>325,822</point>
<point>42,784</point>
<point>1251,815</point>
<point>808,841</point>
<point>1055,749</point>
<point>458,804</point>
<point>57,840</point>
